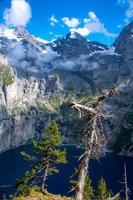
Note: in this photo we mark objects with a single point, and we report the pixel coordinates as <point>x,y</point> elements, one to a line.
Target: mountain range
<point>38,79</point>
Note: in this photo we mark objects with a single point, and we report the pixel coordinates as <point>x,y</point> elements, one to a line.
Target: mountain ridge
<point>46,78</point>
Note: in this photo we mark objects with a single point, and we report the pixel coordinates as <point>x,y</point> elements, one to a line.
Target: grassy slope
<point>36,195</point>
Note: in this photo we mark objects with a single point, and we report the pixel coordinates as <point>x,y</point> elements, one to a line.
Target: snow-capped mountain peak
<point>9,34</point>
<point>74,35</point>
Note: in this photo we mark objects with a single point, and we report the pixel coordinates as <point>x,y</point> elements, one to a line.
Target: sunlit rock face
<point>46,76</point>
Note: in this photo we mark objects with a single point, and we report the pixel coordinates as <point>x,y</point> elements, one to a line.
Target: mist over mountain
<point>45,76</point>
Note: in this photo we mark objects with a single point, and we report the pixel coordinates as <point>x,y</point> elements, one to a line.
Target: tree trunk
<point>85,163</point>
<point>125,182</point>
<point>92,138</point>
<point>82,176</point>
<point>44,178</point>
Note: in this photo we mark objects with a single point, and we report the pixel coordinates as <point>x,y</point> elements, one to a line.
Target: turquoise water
<point>13,166</point>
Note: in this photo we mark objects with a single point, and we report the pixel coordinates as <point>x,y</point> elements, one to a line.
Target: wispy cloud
<point>18,14</point>
<point>53,20</point>
<point>71,22</point>
<point>29,59</point>
<point>92,24</point>
<point>129,10</point>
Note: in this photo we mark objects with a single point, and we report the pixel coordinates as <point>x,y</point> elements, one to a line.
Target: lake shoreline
<point>71,144</point>
<point>110,167</point>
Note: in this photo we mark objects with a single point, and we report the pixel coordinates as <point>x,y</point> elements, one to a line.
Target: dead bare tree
<point>126,189</point>
<point>93,136</point>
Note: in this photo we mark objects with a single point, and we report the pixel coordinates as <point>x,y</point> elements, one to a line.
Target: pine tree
<point>47,155</point>
<point>102,192</point>
<point>88,190</point>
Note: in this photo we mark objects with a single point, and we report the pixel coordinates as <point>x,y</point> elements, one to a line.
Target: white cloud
<point>71,22</point>
<point>2,28</point>
<point>53,20</point>
<point>16,53</point>
<point>82,31</point>
<point>129,10</point>
<point>29,59</point>
<point>92,15</point>
<point>8,33</point>
<point>80,63</point>
<point>18,14</point>
<point>92,24</point>
<point>41,40</point>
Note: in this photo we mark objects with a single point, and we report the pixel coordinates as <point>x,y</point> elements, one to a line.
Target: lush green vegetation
<point>36,194</point>
<point>102,192</point>
<point>41,106</point>
<point>89,190</point>
<point>5,76</point>
<point>86,97</point>
<point>47,155</point>
<point>54,101</point>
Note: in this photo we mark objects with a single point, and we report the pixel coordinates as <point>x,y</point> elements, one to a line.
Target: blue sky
<point>99,20</point>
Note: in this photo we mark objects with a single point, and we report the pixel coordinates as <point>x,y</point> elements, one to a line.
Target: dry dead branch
<point>93,136</point>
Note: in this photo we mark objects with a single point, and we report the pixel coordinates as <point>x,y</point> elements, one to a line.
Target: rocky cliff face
<point>42,78</point>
